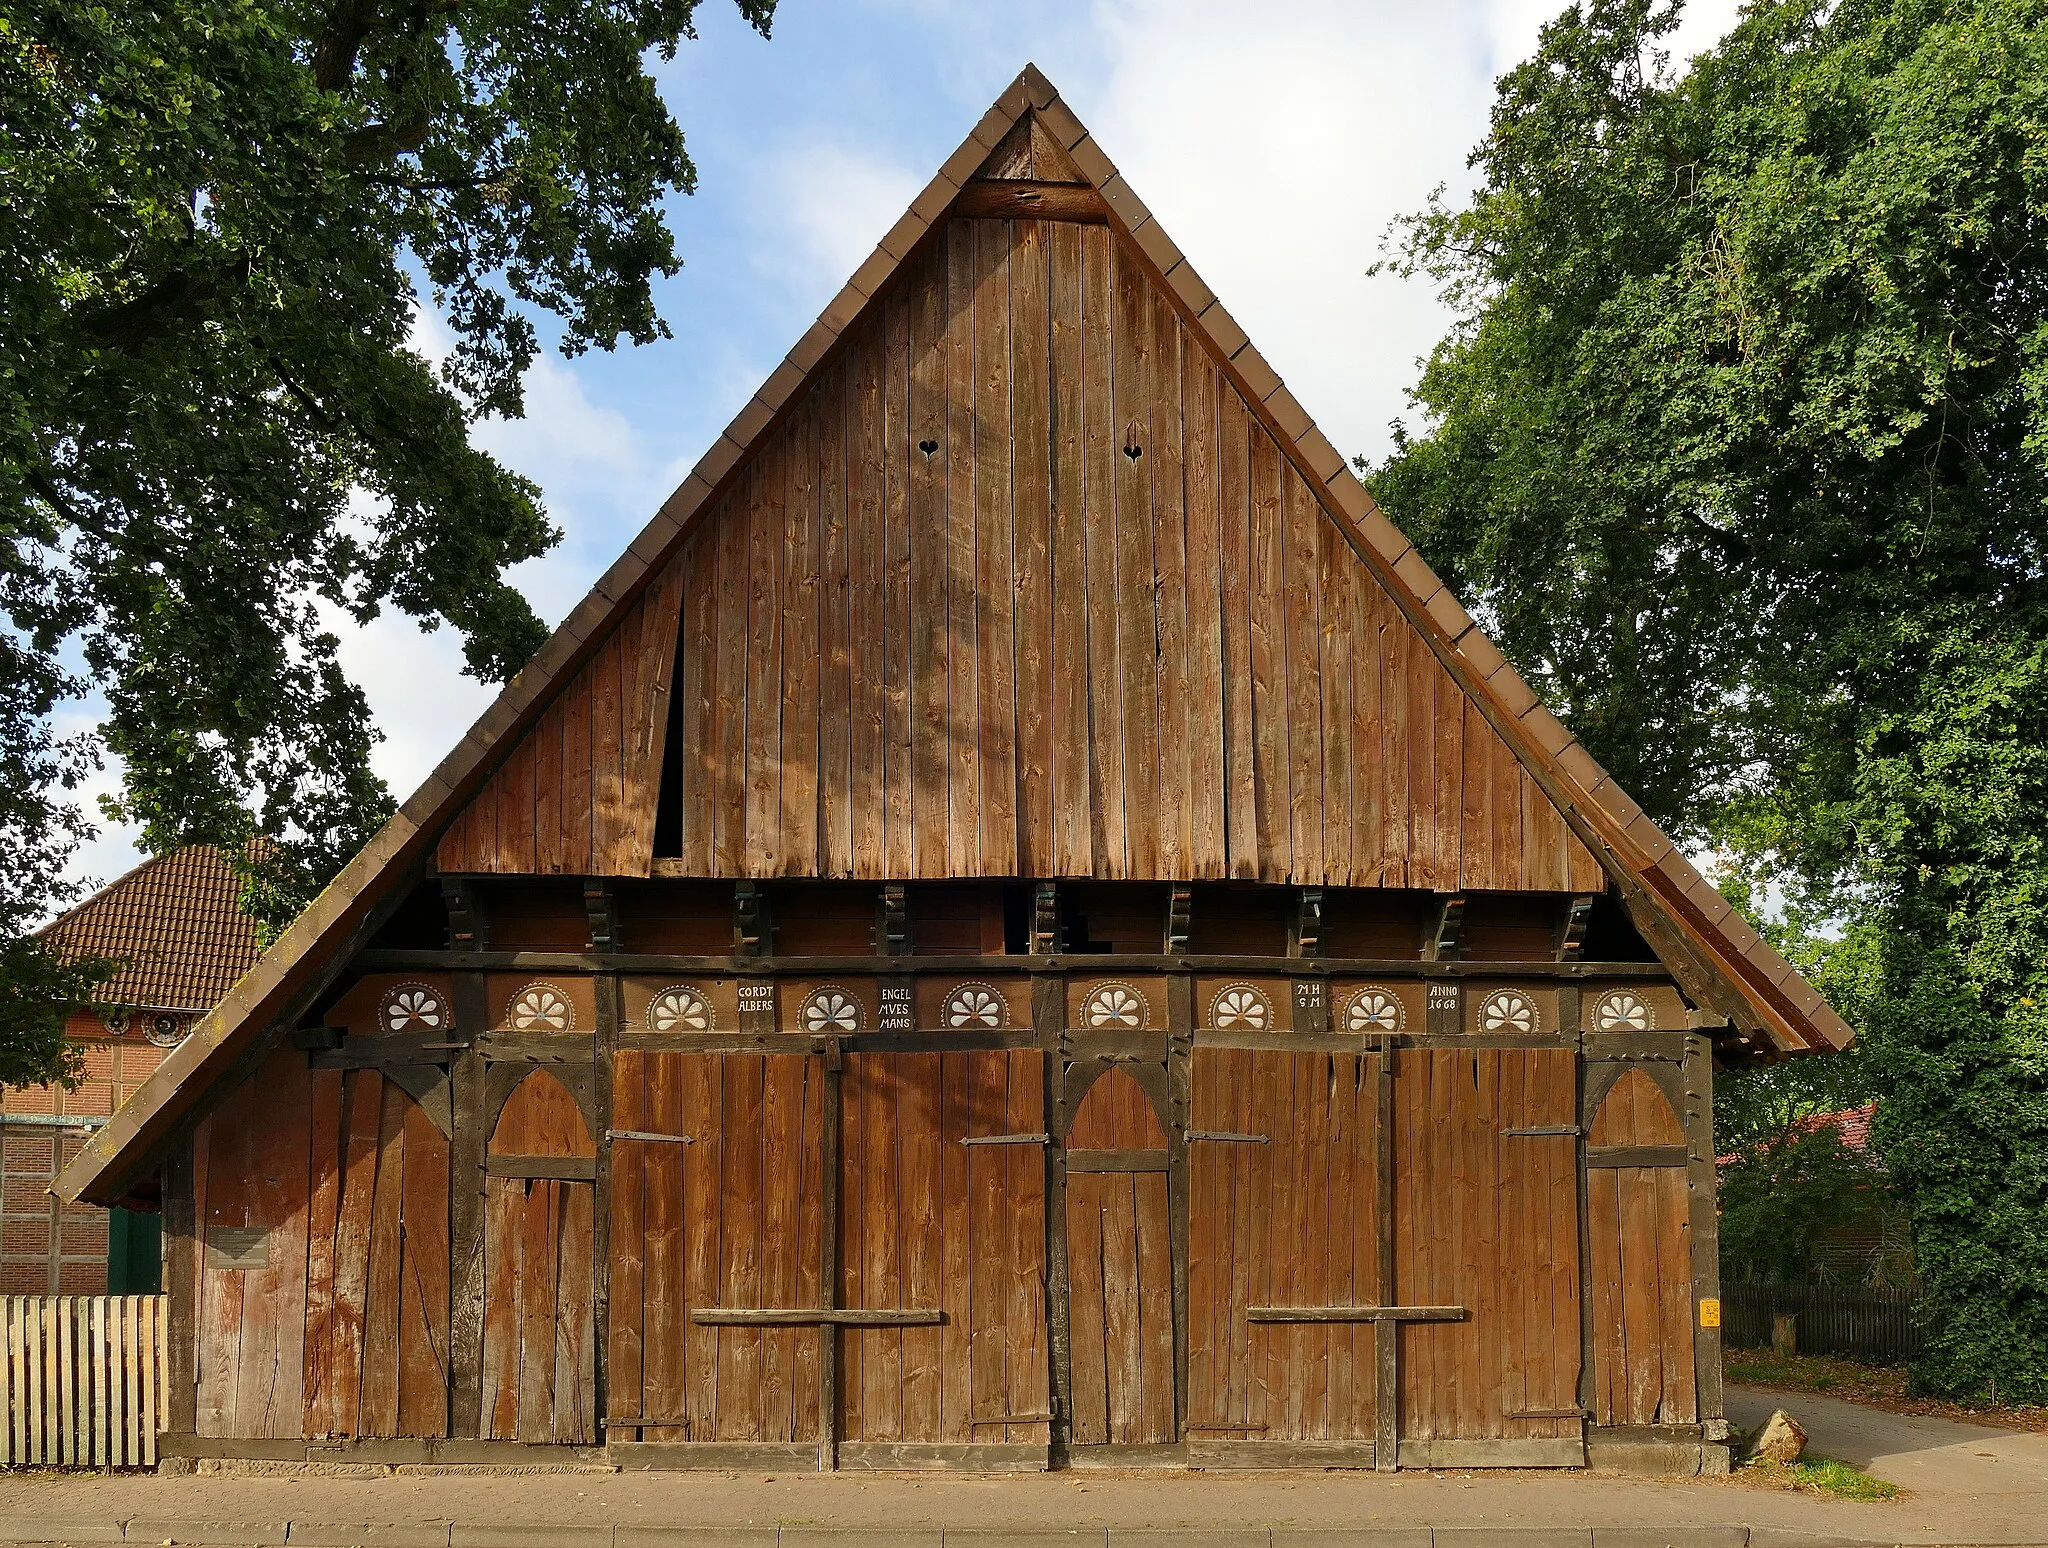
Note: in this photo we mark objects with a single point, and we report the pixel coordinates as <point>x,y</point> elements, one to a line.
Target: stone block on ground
<point>1781,1440</point>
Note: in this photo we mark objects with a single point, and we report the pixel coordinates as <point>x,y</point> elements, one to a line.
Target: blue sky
<point>1275,140</point>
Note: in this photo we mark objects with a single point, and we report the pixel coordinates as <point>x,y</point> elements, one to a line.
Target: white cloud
<point>827,206</point>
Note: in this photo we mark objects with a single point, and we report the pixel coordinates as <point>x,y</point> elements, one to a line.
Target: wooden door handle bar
<point>642,1134</point>
<point>816,1317</point>
<point>1354,1314</point>
<point>1543,1132</point>
<point>1005,1139</point>
<point>1225,1137</point>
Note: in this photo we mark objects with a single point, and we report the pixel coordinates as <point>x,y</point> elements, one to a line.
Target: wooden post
<point>1784,1334</point>
<point>1706,1231</point>
<point>1049,1020</point>
<point>1386,1334</point>
<point>1180,1041</point>
<point>466,1215</point>
<point>609,1015</point>
<point>181,1264</point>
<point>828,1264</point>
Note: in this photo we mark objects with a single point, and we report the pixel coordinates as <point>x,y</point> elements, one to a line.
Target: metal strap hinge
<point>1007,1139</point>
<point>642,1134</point>
<point>1226,1137</point>
<point>1544,1131</point>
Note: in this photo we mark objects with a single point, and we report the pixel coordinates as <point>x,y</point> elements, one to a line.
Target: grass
<point>1874,1386</point>
<point>1823,1476</point>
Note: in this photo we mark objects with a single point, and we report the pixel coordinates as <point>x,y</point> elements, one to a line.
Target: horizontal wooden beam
<point>1020,199</point>
<point>817,1317</point>
<point>1354,1314</point>
<point>1636,1155</point>
<point>542,1168</point>
<point>410,960</point>
<point>1116,1160</point>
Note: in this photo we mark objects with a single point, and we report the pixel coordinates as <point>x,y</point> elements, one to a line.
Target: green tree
<point>1783,1194</point>
<point>1741,444</point>
<point>215,218</point>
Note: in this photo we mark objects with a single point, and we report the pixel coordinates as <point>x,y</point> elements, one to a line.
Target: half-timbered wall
<point>1022,587</point>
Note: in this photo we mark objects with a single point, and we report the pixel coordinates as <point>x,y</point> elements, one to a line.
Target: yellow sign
<point>1710,1314</point>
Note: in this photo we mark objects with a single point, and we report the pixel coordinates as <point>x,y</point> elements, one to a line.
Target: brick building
<point>174,922</point>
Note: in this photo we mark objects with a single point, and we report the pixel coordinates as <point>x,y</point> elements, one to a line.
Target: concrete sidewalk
<point>1970,1486</point>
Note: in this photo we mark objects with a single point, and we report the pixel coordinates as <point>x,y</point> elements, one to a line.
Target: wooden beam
<point>817,1317</point>
<point>602,910</point>
<point>1022,199</point>
<point>466,1219</point>
<point>1354,1314</point>
<point>1447,940</point>
<point>468,926</point>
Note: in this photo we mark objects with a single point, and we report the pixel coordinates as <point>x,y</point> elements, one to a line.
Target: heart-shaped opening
<point>927,447</point>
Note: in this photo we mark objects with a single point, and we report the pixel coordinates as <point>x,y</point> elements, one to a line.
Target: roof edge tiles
<point>104,1169</point>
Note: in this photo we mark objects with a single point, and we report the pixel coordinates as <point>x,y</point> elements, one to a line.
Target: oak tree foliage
<point>1740,442</point>
<point>217,444</point>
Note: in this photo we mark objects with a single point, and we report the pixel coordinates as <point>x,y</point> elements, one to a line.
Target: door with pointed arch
<point>540,1356</point>
<point>1120,1268</point>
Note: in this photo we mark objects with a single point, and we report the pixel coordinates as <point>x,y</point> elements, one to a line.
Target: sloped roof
<point>177,925</point>
<point>1708,946</point>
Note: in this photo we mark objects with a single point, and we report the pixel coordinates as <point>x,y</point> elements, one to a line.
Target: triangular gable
<point>1028,131</point>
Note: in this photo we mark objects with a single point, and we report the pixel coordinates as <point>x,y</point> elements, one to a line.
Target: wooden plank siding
<point>1021,585</point>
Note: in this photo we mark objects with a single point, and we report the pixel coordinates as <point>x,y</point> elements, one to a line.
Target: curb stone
<point>243,1534</point>
<point>367,1534</point>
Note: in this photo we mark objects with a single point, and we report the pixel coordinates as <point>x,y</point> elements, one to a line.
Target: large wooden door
<point>942,1210</point>
<point>1637,1208</point>
<point>1283,1216</point>
<point>717,1204</point>
<point>1120,1269</point>
<point>1486,1220</point>
<point>540,1355</point>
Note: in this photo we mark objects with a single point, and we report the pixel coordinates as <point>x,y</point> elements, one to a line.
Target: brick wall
<point>47,1248</point>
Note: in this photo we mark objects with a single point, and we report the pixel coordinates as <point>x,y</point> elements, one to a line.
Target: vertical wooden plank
<point>821,1175</point>
<point>1609,1352</point>
<point>1208,855</point>
<point>903,462</point>
<point>836,689</point>
<point>732,525</point>
<point>632,1243</point>
<point>540,1260</point>
<point>380,1304</point>
<point>550,852</point>
<point>1122,1323</point>
<point>1088,1340</point>
<point>985,1243</point>
<point>1072,851</point>
<point>870,571</point>
<point>1335,564</point>
<point>1234,528</point>
<point>963,603</point>
<point>1153,1259</point>
<point>423,1278</point>
<point>1268,601</point>
<point>782,1156</point>
<point>225,1203</point>
<point>993,618</point>
<point>1029,1370</point>
<point>929,539</point>
<point>574,1399</point>
<point>1032,425</point>
<point>270,1371</point>
<point>659,1175</point>
<point>956,1388</point>
<point>855,1164</point>
<point>768,525</point>
<point>1101,439</point>
<point>695,776</point>
<point>703,1116</point>
<point>798,849</point>
<point>1396,642</point>
<point>323,1216</point>
<point>1180,722</point>
<point>1369,776</point>
<point>1304,678</point>
<point>740,1352</point>
<point>504,1213</point>
<point>1134,385</point>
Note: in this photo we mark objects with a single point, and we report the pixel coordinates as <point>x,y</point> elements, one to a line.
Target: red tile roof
<point>176,923</point>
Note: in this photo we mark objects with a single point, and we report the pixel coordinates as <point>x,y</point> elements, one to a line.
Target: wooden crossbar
<point>1354,1314</point>
<point>816,1317</point>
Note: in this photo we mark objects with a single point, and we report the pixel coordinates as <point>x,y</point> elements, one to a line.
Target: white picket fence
<point>83,1381</point>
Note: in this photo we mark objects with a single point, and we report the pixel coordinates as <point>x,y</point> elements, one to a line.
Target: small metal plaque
<point>1311,1005</point>
<point>898,1008</point>
<point>757,1005</point>
<point>1443,1003</point>
<point>238,1247</point>
<point>1710,1313</point>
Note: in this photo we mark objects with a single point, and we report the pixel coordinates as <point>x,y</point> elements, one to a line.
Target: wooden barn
<point>1019,925</point>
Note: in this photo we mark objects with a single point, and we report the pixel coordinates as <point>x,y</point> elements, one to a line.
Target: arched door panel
<point>1119,1269</point>
<point>1639,1218</point>
<point>539,1355</point>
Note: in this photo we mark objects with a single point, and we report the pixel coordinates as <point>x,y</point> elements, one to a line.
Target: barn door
<point>717,1203</point>
<point>942,1211</point>
<point>1637,1208</point>
<point>1486,1223</point>
<point>1120,1269</point>
<point>539,1357</point>
<point>1283,1219</point>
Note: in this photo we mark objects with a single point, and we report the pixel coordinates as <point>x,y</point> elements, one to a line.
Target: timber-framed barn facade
<point>1019,925</point>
